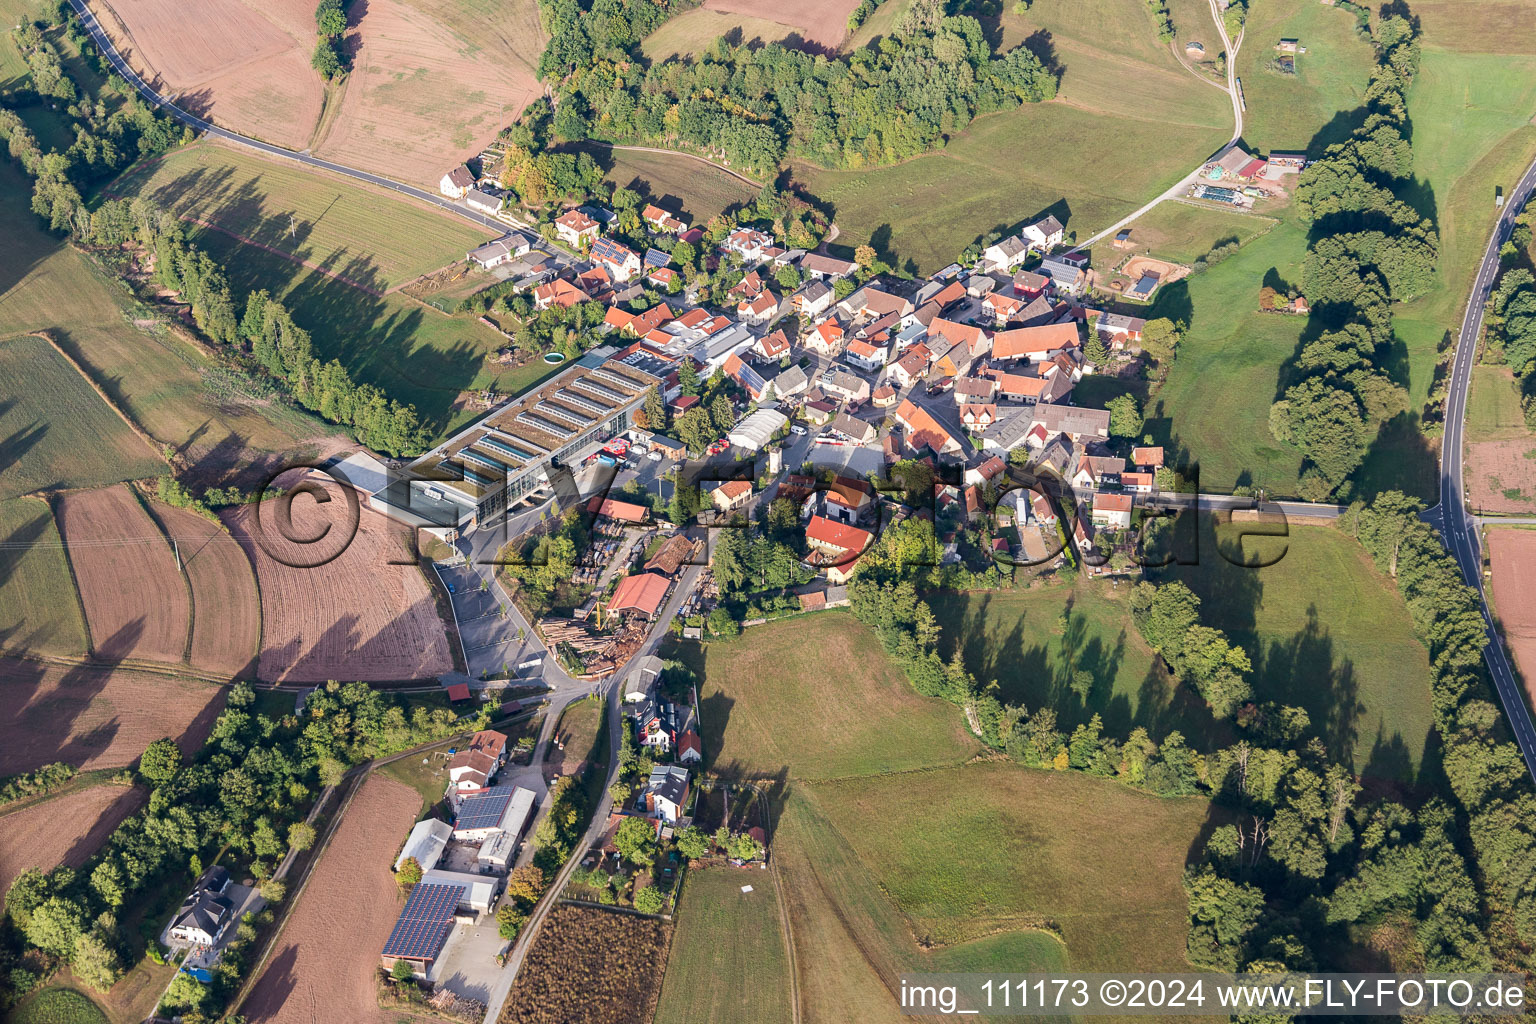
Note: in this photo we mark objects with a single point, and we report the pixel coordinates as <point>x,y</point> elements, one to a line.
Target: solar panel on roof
<point>424,924</point>
<point>485,810</point>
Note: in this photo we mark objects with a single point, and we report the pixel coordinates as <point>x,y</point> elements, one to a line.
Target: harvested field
<point>590,965</point>
<point>242,65</point>
<point>1501,475</point>
<point>39,612</point>
<point>422,96</point>
<point>354,616</point>
<point>822,23</point>
<point>310,977</point>
<point>64,830</point>
<point>226,609</point>
<point>1512,555</point>
<point>93,717</point>
<point>55,431</point>
<point>692,32</point>
<point>136,603</point>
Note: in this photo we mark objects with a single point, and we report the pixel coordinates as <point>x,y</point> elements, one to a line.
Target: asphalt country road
<point>1458,527</point>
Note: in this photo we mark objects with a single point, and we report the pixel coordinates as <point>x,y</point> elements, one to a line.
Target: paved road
<point>208,127</point>
<point>1458,528</point>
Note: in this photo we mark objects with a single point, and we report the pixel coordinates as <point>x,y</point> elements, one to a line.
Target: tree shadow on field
<point>1305,671</point>
<point>273,988</point>
<point>90,839</point>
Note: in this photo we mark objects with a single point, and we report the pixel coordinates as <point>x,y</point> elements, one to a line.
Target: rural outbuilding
<point>426,842</point>
<point>478,893</point>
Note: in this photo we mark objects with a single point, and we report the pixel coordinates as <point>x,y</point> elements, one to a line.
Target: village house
<point>978,417</point>
<point>1094,471</point>
<point>867,355</point>
<point>871,303</point>
<point>666,792</point>
<point>771,347</point>
<point>791,382</point>
<point>750,244</point>
<point>883,397</point>
<point>1112,511</point>
<point>1034,343</point>
<point>619,260</point>
<point>975,390</point>
<point>486,200</point>
<point>1138,481</point>
<point>826,268</point>
<point>456,183</point>
<point>575,228</point>
<point>1022,387</point>
<point>758,311</point>
<point>923,431</point>
<point>690,749</point>
<point>847,386</point>
<point>1044,234</point>
<point>910,368</point>
<point>826,339</point>
<point>749,287</point>
<point>1148,460</point>
<point>1041,510</point>
<point>731,495</point>
<point>989,472</point>
<point>1006,254</point>
<point>558,292</point>
<point>662,222</point>
<point>1067,277</point>
<point>1028,284</point>
<point>475,767</point>
<point>1002,308</point>
<point>854,429</point>
<point>974,341</point>
<point>206,912</point>
<point>831,541</point>
<point>502,250</point>
<point>1080,425</point>
<point>1120,330</point>
<point>812,300</point>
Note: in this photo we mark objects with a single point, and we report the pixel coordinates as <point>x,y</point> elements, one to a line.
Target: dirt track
<point>65,830</point>
<point>96,717</point>
<point>322,968</point>
<point>136,603</point>
<point>226,610</point>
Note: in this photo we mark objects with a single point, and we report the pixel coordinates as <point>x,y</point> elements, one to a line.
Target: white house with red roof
<point>831,541</point>
<point>575,228</point>
<point>750,244</point>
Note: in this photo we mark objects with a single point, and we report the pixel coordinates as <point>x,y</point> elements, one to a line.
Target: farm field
<point>1491,26</point>
<point>138,612</point>
<point>424,95</point>
<point>243,66</point>
<point>1181,232</point>
<point>1493,407</point>
<point>692,32</point>
<point>310,977</point>
<point>927,209</point>
<point>158,379</point>
<point>815,697</point>
<point>820,23</point>
<point>728,952</point>
<point>1016,637</point>
<point>58,1006</point>
<point>1501,475</point>
<point>56,431</point>
<point>1310,110</point>
<point>1512,557</point>
<point>1325,631</point>
<point>414,353</point>
<point>226,609</point>
<point>347,228</point>
<point>64,830</point>
<point>39,612</point>
<point>593,965</point>
<point>675,182</point>
<point>354,617</point>
<point>96,718</point>
<point>956,875</point>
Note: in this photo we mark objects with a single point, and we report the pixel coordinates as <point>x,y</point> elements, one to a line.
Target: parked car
<point>797,430</point>
<point>654,456</point>
<point>941,385</point>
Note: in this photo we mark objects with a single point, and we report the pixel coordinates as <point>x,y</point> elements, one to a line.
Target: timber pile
<point>578,635</point>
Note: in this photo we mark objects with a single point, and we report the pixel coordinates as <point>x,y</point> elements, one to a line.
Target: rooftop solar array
<point>424,924</point>
<point>752,380</point>
<point>485,810</point>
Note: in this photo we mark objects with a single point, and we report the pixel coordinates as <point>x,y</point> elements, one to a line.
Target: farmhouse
<point>666,792</point>
<point>1034,343</point>
<point>484,200</point>
<point>1080,425</point>
<point>456,183</point>
<point>641,594</point>
<point>833,541</point>
<point>502,250</point>
<point>1045,233</point>
<point>826,268</point>
<point>426,842</point>
<point>206,911</point>
<point>923,431</point>
<point>1112,511</point>
<point>575,228</point>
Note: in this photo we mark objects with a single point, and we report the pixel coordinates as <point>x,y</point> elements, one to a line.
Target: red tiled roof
<point>458,691</point>
<point>1147,456</point>
<point>922,428</point>
<point>643,593</point>
<point>1024,341</point>
<point>622,510</point>
<point>822,530</point>
<point>1112,502</point>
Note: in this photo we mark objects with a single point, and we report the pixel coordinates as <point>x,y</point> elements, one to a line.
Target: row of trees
<point>1371,248</point>
<point>1511,315</point>
<point>330,25</point>
<point>925,81</point>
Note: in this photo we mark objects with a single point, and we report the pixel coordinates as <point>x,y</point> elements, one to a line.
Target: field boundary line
<point>186,579</point>
<point>664,151</point>
<point>138,431</point>
<point>74,581</point>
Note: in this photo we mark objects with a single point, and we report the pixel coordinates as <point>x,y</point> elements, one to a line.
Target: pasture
<point>676,182</point>
<point>1310,110</point>
<point>1181,232</point>
<point>39,611</point>
<point>414,353</point>
<point>308,975</point>
<point>1493,406</point>
<point>137,605</point>
<point>575,739</point>
<point>357,232</point>
<point>1325,631</point>
<point>695,31</point>
<point>815,697</point>
<point>55,431</point>
<point>1121,92</point>
<point>727,953</point>
<point>94,717</point>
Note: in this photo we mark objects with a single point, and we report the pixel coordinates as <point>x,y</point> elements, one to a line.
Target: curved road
<point>1458,528</point>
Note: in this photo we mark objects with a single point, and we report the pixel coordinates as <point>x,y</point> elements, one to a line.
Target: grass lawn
<point>1313,108</point>
<point>58,1006</point>
<point>57,431</point>
<point>39,612</point>
<point>1019,639</point>
<point>728,952</point>
<point>1493,409</point>
<point>815,697</point>
<point>427,773</point>
<point>693,32</point>
<point>1489,26</point>
<point>578,728</point>
<point>1183,233</point>
<point>1325,631</point>
<point>1017,849</point>
<point>1121,92</point>
<point>675,182</point>
<point>364,235</point>
<point>414,353</point>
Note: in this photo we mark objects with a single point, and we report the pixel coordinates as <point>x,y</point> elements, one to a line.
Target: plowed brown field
<point>65,830</point>
<point>244,65</point>
<point>1501,475</point>
<point>94,717</point>
<point>822,23</point>
<point>323,967</point>
<point>1512,556</point>
<point>226,610</point>
<point>355,617</point>
<point>136,603</point>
